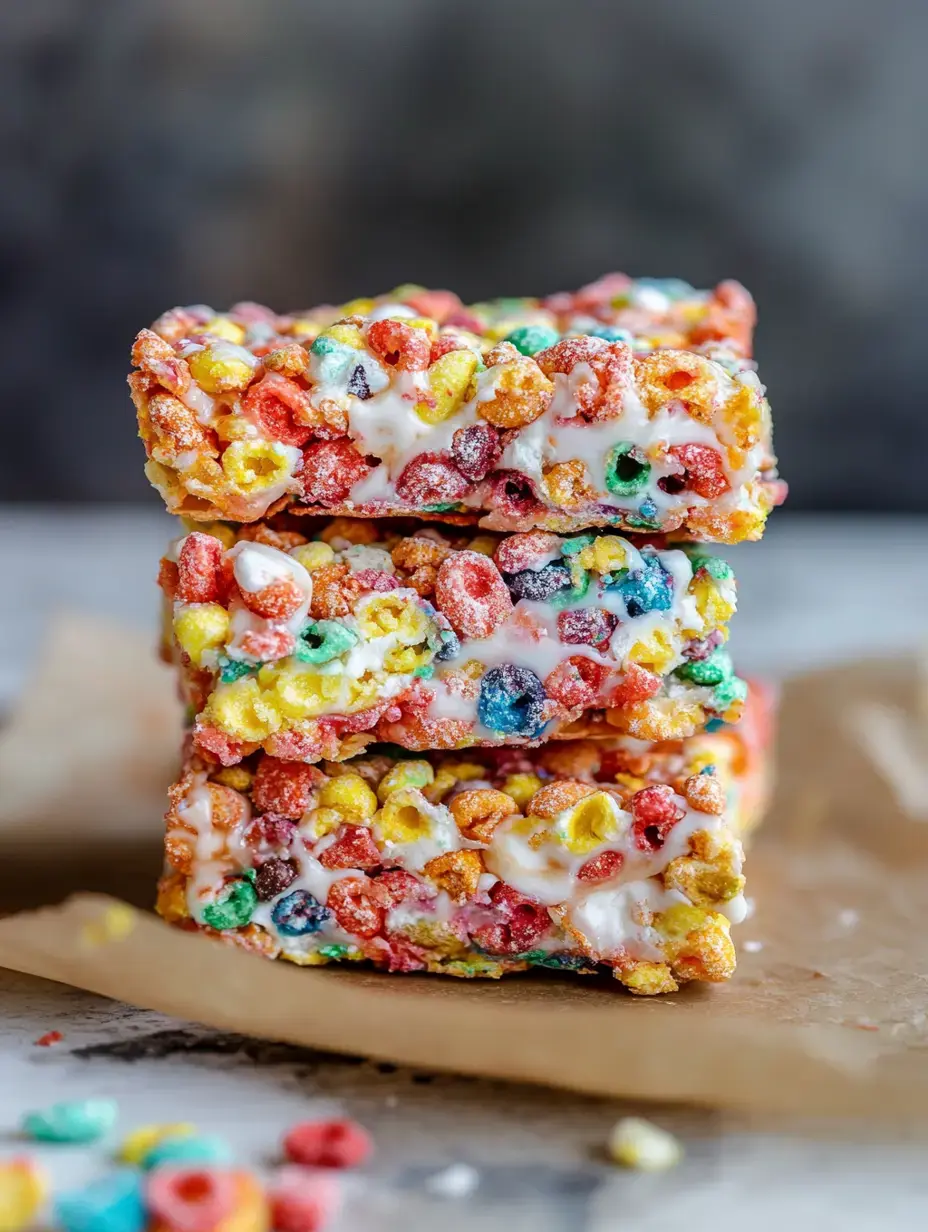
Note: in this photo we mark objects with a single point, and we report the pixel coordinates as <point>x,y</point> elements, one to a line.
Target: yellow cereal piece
<point>114,923</point>
<point>357,307</point>
<point>606,554</point>
<point>567,484</point>
<point>711,604</point>
<point>589,824</point>
<point>457,873</point>
<point>521,787</point>
<point>232,427</point>
<point>743,414</point>
<point>221,368</point>
<point>365,690</point>
<point>225,327</point>
<point>201,628</point>
<point>648,979</point>
<point>351,796</point>
<point>401,617</point>
<point>449,380</point>
<point>436,791</point>
<point>299,691</point>
<point>324,820</point>
<point>636,1143</point>
<point>484,544</point>
<point>219,530</point>
<point>135,1146</point>
<point>313,555</point>
<point>242,711</point>
<point>236,777</point>
<point>171,903</point>
<point>678,921</point>
<point>405,659</point>
<point>404,818</point>
<point>23,1190</point>
<point>347,335</point>
<point>253,466</point>
<point>251,1212</point>
<point>655,652</point>
<point>405,774</point>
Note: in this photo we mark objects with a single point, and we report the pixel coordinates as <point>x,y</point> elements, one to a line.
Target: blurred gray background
<point>171,151</point>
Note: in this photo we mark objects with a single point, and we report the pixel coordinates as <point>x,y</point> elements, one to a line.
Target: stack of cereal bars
<point>453,655</point>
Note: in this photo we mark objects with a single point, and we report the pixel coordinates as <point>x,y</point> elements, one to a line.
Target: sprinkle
<point>456,1181</point>
<point>114,924</point>
<point>636,1143</point>
<point>48,1039</point>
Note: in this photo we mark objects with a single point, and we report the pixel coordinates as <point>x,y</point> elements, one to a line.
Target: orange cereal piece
<point>276,601</point>
<point>567,484</point>
<point>402,346</point>
<point>704,793</point>
<point>199,570</point>
<point>156,356</point>
<point>521,394</point>
<point>478,812</point>
<point>555,797</point>
<point>681,377</point>
<point>285,787</point>
<point>458,873</point>
<point>611,366</point>
<point>414,551</point>
<point>178,428</point>
<point>335,590</point>
<point>291,360</point>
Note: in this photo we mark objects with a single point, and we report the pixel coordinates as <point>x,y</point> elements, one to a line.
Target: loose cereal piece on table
<point>627,404</point>
<point>312,640</point>
<point>589,855</point>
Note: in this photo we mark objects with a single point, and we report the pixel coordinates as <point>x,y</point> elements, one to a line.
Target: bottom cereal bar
<point>584,855</point>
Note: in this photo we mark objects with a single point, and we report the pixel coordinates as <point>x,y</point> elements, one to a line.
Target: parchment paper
<point>828,1012</point>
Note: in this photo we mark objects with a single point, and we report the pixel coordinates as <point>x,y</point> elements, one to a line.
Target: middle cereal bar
<point>310,642</point>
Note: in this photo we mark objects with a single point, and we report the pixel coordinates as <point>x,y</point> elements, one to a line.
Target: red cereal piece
<point>586,626</point>
<point>476,449</point>
<point>210,740</point>
<point>268,645</point>
<point>577,681</point>
<point>402,887</point>
<point>358,904</point>
<point>471,592</point>
<point>513,495</point>
<point>168,577</point>
<point>285,787</point>
<point>48,1039</point>
<point>524,921</point>
<point>589,300</point>
<point>611,366</point>
<point>398,954</point>
<point>400,345</point>
<point>275,404</point>
<point>199,569</point>
<point>443,344</point>
<point>296,745</point>
<point>276,601</point>
<point>600,868</point>
<point>431,479</point>
<point>637,685</point>
<point>438,305</point>
<point>377,579</point>
<point>302,1201</point>
<point>525,551</point>
<point>270,834</point>
<point>703,471</point>
<point>654,814</point>
<point>353,848</point>
<point>335,1143</point>
<point>329,471</point>
<point>190,1199</point>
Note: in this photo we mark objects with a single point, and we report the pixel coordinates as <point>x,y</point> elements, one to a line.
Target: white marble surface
<point>815,591</point>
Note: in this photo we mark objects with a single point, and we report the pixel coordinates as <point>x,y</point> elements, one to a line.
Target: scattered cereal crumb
<point>864,1024</point>
<point>455,1181</point>
<point>848,918</point>
<point>82,1120</point>
<point>113,924</point>
<point>752,947</point>
<point>636,1143</point>
<point>336,1143</point>
<point>48,1039</point>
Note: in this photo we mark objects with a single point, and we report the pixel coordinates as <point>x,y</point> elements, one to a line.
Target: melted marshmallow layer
<point>591,855</point>
<point>311,648</point>
<point>628,404</point>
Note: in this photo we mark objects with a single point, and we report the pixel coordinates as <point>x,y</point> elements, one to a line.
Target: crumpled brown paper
<point>828,1012</point>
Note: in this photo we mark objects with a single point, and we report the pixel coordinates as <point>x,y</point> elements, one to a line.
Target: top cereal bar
<point>627,404</point>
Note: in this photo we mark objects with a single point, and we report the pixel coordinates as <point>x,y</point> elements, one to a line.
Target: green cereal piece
<point>425,672</point>
<point>83,1120</point>
<point>729,691</point>
<point>627,469</point>
<point>333,952</point>
<point>320,641</point>
<point>235,669</point>
<point>712,670</point>
<point>580,578</point>
<point>530,339</point>
<point>324,345</point>
<point>570,547</point>
<point>717,568</point>
<point>234,906</point>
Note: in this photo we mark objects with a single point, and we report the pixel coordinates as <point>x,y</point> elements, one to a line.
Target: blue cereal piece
<point>112,1204</point>
<point>184,1149</point>
<point>299,913</point>
<point>512,701</point>
<point>83,1120</point>
<point>649,589</point>
<point>539,584</point>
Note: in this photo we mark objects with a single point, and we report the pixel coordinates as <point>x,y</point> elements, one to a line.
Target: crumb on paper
<point>864,1024</point>
<point>455,1181</point>
<point>637,1143</point>
<point>752,947</point>
<point>113,924</point>
<point>48,1039</point>
<point>848,918</point>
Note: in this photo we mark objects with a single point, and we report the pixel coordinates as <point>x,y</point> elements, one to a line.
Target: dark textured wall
<point>164,151</point>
